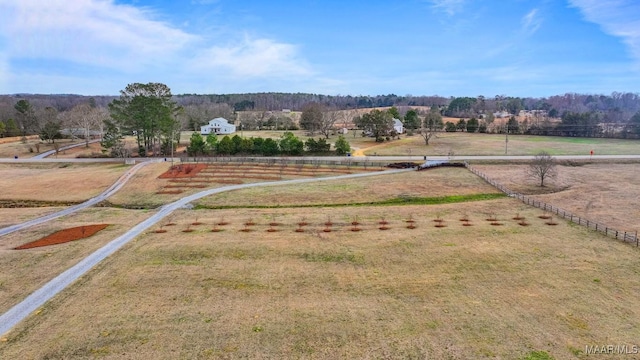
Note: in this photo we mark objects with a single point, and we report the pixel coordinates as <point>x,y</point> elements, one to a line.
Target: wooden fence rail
<point>347,161</point>
<point>626,236</point>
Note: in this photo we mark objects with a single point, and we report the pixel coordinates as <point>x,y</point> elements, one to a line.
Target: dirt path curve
<point>21,310</point>
<point>51,152</point>
<point>104,195</point>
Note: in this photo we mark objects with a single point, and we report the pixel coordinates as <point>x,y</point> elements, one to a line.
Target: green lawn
<point>496,144</point>
<point>470,144</point>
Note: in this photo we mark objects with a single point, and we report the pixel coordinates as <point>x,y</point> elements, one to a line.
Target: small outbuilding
<point>218,126</point>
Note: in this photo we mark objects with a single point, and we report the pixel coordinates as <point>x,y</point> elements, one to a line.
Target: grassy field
<point>460,143</point>
<point>441,182</point>
<point>23,271</point>
<point>57,182</point>
<point>29,148</point>
<point>456,292</point>
<point>442,143</point>
<point>605,193</point>
<point>278,289</point>
<point>494,144</point>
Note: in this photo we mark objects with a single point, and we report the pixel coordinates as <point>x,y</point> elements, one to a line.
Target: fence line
<point>626,236</point>
<point>348,161</point>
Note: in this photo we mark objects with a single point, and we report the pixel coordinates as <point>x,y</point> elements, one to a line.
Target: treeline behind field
<point>613,109</point>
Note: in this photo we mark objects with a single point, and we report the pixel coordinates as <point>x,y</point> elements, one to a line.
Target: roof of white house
<point>397,122</point>
<point>219,119</point>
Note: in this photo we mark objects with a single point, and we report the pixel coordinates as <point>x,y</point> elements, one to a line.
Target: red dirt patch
<point>65,235</point>
<point>183,171</point>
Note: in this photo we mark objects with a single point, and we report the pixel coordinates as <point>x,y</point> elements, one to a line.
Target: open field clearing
<point>80,151</point>
<point>12,146</point>
<point>430,183</point>
<point>29,148</point>
<point>147,190</point>
<point>442,143</point>
<point>57,182</point>
<point>12,216</point>
<point>142,187</point>
<point>458,292</point>
<point>605,193</point>
<point>494,144</point>
<point>23,271</point>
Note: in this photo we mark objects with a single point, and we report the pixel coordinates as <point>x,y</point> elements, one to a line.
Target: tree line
<point>616,107</point>
<point>288,144</point>
<point>52,116</point>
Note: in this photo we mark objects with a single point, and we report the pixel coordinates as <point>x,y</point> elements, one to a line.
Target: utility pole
<point>173,136</point>
<point>506,140</point>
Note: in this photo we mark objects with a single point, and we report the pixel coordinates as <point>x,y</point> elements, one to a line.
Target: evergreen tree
<point>342,146</point>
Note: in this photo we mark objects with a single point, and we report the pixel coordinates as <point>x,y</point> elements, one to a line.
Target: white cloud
<point>91,32</point>
<point>531,22</point>
<point>253,58</point>
<point>451,7</point>
<point>129,43</point>
<point>620,18</point>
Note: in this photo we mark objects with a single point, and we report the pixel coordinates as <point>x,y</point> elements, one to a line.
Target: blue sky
<point>420,47</point>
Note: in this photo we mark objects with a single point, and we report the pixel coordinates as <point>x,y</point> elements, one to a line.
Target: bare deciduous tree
<point>543,166</point>
<point>84,119</point>
<point>430,124</point>
<point>328,122</point>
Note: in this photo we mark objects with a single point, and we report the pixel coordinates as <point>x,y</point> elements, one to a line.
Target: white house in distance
<point>398,126</point>
<point>218,126</point>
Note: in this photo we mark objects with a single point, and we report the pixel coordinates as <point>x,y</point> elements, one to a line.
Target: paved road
<point>51,152</point>
<point>20,311</point>
<point>103,196</point>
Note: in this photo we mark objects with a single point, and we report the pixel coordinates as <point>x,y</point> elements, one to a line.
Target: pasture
<point>444,143</point>
<point>479,291</point>
<point>382,267</point>
<point>268,290</point>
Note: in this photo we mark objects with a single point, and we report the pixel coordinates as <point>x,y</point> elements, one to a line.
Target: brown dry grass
<point>141,189</point>
<point>80,151</point>
<point>478,291</point>
<point>145,189</point>
<point>23,271</point>
<point>17,147</point>
<point>605,193</point>
<point>11,216</point>
<point>57,182</point>
<point>430,183</point>
<point>455,292</point>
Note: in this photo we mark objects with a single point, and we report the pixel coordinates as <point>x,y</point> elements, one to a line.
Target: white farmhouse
<point>218,126</point>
